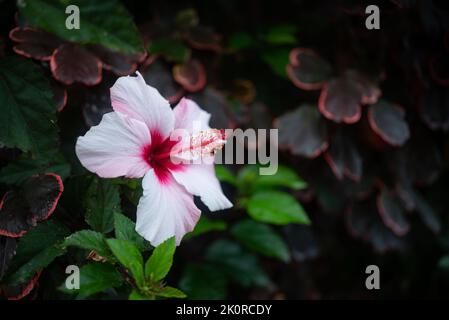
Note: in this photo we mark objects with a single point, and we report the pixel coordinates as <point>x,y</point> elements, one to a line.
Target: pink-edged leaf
<point>307,70</point>
<point>42,193</point>
<point>214,102</point>
<point>203,38</point>
<point>434,108</point>
<point>20,210</point>
<point>119,63</point>
<point>387,120</point>
<point>59,95</point>
<point>158,75</point>
<point>363,222</point>
<point>34,43</point>
<point>191,75</point>
<point>72,63</point>
<point>15,216</point>
<point>340,100</point>
<point>20,291</point>
<point>303,131</point>
<point>391,213</point>
<point>8,247</point>
<point>344,158</point>
<point>370,91</point>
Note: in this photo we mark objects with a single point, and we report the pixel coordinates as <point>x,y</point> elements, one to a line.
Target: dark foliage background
<point>363,118</point>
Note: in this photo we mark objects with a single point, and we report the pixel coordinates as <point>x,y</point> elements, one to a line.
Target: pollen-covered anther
<point>207,142</point>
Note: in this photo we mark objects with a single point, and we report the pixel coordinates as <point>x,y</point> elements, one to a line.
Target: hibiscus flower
<point>137,140</point>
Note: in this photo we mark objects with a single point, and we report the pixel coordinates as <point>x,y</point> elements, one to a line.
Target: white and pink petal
<point>166,209</point>
<point>190,117</point>
<point>133,97</point>
<point>115,147</point>
<point>200,180</point>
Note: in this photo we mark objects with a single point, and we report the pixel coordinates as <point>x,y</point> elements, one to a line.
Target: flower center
<point>203,143</point>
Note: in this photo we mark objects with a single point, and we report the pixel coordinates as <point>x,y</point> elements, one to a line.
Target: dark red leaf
<point>217,105</point>
<point>72,63</point>
<point>15,216</point>
<point>387,120</point>
<point>17,292</point>
<point>34,43</point>
<point>158,75</point>
<point>59,95</point>
<point>36,200</point>
<point>119,63</point>
<point>203,38</point>
<point>392,213</point>
<point>7,251</point>
<point>303,131</point>
<point>434,108</point>
<point>307,70</point>
<point>340,100</point>
<point>191,75</point>
<point>42,193</point>
<point>363,222</point>
<point>369,89</point>
<point>344,158</point>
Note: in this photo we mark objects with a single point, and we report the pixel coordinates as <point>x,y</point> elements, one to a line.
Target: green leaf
<point>36,250</point>
<point>94,278</point>
<point>136,295</point>
<point>243,267</point>
<point>159,263</point>
<point>205,225</point>
<point>28,120</point>
<point>284,177</point>
<point>277,208</point>
<point>204,281</point>
<point>224,175</point>
<point>170,292</point>
<point>104,22</point>
<point>241,41</point>
<point>26,166</point>
<point>172,50</point>
<point>130,257</point>
<point>280,35</point>
<point>261,238</point>
<point>89,240</point>
<point>102,202</point>
<point>125,229</point>
<point>277,60</point>
<point>37,262</point>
